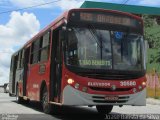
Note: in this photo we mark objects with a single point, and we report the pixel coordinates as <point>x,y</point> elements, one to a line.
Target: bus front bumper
<point>72,96</point>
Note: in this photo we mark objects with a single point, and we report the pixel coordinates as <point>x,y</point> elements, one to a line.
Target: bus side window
<point>36,45</point>
<point>44,52</point>
<point>12,64</point>
<point>22,59</point>
<point>19,65</point>
<point>40,49</point>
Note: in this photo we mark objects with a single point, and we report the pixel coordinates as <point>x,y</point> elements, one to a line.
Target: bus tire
<point>104,109</point>
<point>10,94</point>
<point>18,98</point>
<point>47,107</point>
<point>26,101</point>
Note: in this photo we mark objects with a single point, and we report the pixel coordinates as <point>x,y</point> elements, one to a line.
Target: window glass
<point>18,66</point>
<point>45,40</point>
<point>12,61</point>
<point>40,49</point>
<point>127,52</point>
<point>36,45</point>
<point>22,63</point>
<point>104,49</point>
<point>35,58</point>
<point>35,51</point>
<point>44,54</point>
<point>23,53</point>
<point>19,55</point>
<point>20,60</point>
<point>89,48</point>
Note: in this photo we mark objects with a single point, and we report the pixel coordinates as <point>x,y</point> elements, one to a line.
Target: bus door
<point>26,61</point>
<point>56,67</point>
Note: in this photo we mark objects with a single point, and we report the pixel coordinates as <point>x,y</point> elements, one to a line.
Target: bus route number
<point>127,83</point>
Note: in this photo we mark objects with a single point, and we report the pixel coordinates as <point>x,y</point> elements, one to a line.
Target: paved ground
<point>1,89</point>
<point>9,108</point>
<point>153,101</point>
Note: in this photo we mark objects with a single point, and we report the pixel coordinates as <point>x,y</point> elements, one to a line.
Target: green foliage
<point>148,21</point>
<point>157,97</point>
<point>151,31</point>
<point>153,61</point>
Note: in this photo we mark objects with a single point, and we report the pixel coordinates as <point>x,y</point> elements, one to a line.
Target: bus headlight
<point>144,83</point>
<point>70,81</point>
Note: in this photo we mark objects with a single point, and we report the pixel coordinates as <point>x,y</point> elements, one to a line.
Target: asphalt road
<point>10,109</point>
<point>1,89</point>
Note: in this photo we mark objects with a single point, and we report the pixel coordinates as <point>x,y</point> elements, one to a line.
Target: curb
<point>153,101</point>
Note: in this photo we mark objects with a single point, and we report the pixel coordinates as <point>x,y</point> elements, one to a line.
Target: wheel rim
<point>17,97</point>
<point>45,101</point>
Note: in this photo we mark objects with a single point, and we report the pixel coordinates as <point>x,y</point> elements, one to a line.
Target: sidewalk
<point>153,101</point>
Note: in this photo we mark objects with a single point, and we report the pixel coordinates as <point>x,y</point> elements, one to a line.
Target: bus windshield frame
<point>92,27</point>
<point>90,48</point>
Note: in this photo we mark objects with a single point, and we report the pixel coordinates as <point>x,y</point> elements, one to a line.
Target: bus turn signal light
<point>70,81</point>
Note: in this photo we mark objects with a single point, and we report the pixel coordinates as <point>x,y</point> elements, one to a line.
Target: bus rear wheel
<point>104,109</point>
<point>47,107</point>
<point>18,98</point>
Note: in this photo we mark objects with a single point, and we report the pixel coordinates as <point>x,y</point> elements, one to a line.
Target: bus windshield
<point>104,49</point>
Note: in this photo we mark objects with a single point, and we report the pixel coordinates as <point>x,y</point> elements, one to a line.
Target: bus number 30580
<point>127,83</point>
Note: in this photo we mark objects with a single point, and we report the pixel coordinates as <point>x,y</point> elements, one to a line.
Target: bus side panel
<point>32,84</point>
<point>18,81</point>
<point>35,78</point>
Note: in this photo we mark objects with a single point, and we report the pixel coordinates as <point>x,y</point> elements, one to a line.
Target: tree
<point>149,25</point>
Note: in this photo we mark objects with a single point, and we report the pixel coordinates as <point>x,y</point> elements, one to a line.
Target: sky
<point>17,27</point>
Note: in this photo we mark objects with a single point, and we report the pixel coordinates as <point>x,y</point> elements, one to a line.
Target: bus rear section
<point>86,57</point>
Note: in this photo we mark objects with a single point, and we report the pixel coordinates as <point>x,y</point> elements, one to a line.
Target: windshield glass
<point>103,49</point>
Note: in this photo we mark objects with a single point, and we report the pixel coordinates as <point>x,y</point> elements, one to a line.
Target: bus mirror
<point>65,21</point>
<point>64,28</point>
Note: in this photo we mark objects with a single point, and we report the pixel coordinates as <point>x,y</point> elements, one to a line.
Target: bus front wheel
<point>104,109</point>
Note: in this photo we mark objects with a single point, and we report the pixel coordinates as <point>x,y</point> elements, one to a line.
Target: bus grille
<point>107,101</point>
<point>110,90</point>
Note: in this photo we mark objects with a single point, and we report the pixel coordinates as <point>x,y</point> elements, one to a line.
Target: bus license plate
<point>112,98</point>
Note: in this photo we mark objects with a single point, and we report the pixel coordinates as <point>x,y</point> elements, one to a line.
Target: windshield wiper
<point>93,35</point>
<point>96,37</point>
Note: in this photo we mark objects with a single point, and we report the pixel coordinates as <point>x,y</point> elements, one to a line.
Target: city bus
<point>86,57</point>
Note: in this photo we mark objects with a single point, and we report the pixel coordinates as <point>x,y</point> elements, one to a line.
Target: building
<point>138,10</point>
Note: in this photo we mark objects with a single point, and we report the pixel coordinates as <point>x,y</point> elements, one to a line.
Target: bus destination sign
<point>104,18</point>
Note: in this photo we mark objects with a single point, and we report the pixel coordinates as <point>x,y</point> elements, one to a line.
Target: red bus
<point>86,57</point>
